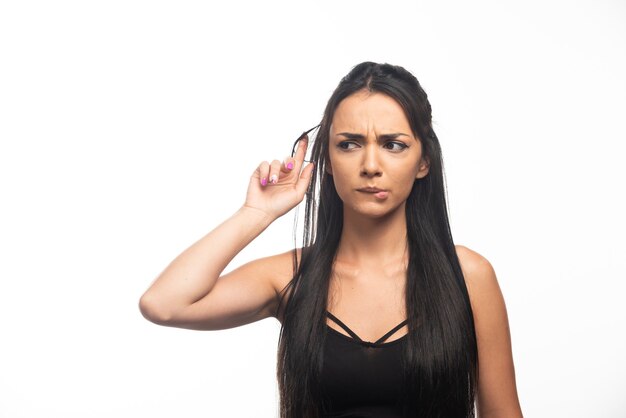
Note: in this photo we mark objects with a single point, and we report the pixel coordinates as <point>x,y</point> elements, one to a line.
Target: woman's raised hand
<point>277,187</point>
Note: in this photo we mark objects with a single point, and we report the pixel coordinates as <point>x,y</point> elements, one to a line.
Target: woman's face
<point>371,144</point>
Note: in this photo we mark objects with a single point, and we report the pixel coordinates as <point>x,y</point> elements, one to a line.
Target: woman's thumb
<point>305,178</point>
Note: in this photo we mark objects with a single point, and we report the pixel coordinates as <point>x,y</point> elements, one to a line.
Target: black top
<point>361,378</point>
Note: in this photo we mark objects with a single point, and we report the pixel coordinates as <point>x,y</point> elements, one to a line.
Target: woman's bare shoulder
<point>472,263</point>
<point>279,267</point>
<point>480,276</point>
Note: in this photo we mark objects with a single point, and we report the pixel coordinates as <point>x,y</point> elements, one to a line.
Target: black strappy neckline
<point>357,339</point>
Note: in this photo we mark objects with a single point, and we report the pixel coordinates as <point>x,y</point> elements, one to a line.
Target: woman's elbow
<point>153,311</point>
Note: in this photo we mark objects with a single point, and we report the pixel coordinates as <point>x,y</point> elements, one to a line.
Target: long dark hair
<point>440,359</point>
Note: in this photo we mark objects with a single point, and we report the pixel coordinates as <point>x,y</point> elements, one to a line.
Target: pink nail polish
<point>290,165</point>
<point>263,181</point>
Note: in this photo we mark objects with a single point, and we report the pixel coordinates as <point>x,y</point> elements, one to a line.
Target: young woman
<point>382,315</point>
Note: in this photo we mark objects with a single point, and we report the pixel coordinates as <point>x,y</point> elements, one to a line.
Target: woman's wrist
<point>261,217</point>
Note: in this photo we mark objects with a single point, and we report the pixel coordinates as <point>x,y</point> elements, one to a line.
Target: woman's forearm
<point>192,275</point>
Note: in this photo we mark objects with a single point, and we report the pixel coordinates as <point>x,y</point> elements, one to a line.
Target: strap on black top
<point>356,337</point>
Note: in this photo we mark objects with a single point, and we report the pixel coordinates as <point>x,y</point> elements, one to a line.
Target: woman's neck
<point>372,241</point>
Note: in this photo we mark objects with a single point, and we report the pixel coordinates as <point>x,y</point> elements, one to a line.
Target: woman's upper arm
<point>497,390</point>
<point>245,295</point>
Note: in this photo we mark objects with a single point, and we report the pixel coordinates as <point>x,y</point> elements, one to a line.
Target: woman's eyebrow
<point>350,135</point>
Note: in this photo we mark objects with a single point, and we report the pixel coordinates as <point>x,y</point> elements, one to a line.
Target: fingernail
<point>263,181</point>
<point>273,179</point>
<point>290,165</point>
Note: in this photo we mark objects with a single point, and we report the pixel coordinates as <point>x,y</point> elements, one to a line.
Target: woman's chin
<point>374,211</point>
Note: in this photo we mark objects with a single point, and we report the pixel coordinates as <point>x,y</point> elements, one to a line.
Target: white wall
<point>129,129</point>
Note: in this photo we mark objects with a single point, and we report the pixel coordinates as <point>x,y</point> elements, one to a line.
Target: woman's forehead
<point>369,112</point>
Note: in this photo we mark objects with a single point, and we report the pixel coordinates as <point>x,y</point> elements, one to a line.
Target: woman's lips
<point>379,194</point>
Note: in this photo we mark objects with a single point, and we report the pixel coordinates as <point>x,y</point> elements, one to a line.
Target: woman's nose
<point>371,164</point>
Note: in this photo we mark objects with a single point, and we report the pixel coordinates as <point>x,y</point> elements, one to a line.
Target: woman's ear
<point>424,166</point>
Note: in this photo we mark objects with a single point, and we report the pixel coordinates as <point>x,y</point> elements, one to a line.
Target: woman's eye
<point>400,146</point>
<point>345,145</point>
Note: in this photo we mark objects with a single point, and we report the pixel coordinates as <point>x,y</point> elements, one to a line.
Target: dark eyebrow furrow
<point>383,137</point>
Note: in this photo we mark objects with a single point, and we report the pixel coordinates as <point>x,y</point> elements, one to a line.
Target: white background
<point>129,130</point>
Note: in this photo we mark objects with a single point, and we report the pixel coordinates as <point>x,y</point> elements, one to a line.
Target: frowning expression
<point>374,156</point>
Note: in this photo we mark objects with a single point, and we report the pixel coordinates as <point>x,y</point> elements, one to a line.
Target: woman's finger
<point>264,169</point>
<point>274,172</point>
<point>305,179</point>
<point>301,151</point>
<point>287,165</point>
